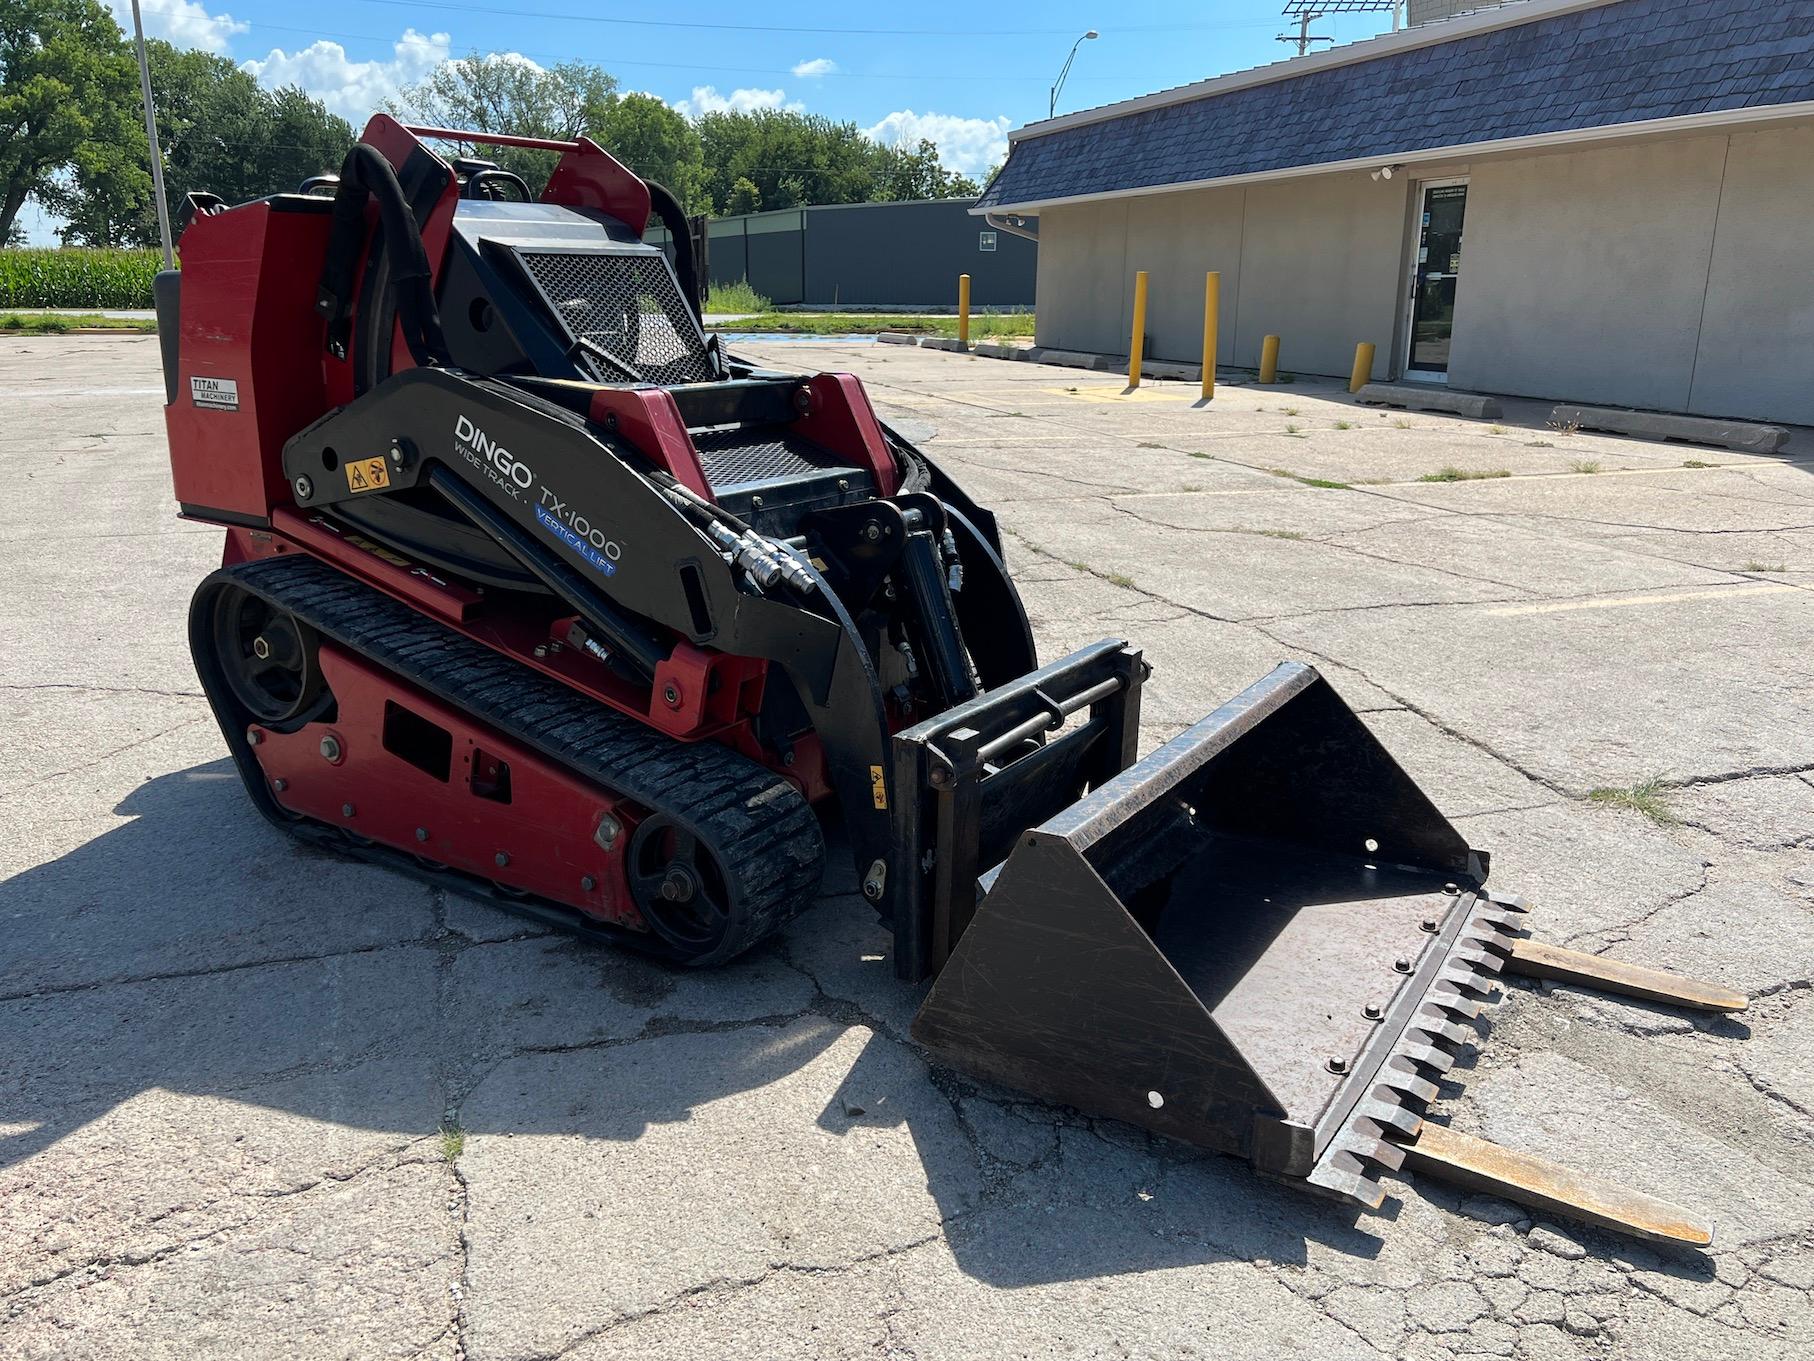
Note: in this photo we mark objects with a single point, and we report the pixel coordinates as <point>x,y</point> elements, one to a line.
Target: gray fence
<point>873,255</point>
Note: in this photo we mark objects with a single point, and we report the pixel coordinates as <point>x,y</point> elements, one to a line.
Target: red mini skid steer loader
<point>532,590</point>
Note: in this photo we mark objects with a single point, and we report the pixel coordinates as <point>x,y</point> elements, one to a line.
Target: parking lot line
<point>1627,601</point>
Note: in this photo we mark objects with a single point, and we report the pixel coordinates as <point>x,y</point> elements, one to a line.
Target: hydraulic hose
<point>680,232</point>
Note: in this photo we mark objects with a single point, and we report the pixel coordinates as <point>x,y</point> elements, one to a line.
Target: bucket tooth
<point>1537,959</point>
<point>1428,1055</point>
<point>1479,1165</point>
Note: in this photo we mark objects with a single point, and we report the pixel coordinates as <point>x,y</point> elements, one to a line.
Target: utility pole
<point>1304,37</point>
<point>157,156</point>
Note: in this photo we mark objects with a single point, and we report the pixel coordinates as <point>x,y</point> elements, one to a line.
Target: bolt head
<point>670,694</point>
<point>541,649</point>
<point>587,883</point>
<point>346,810</point>
<point>254,737</point>
<point>609,829</point>
<point>304,489</point>
<point>872,531</point>
<point>280,784</point>
<point>330,749</point>
<point>1402,965</point>
<point>501,859</point>
<point>421,834</point>
<point>1451,888</point>
<point>1429,924</point>
<point>872,890</point>
<point>1373,1011</point>
<point>397,454</point>
<point>261,648</point>
<point>1337,1064</point>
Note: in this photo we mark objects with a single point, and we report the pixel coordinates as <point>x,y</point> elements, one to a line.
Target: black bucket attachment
<point>1262,939</point>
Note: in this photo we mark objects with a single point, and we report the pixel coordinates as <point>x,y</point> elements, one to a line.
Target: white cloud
<point>818,66</point>
<point>182,23</point>
<point>969,145</point>
<point>706,99</point>
<point>353,89</point>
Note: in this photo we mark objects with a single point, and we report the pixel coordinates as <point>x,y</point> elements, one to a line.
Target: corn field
<point>77,278</point>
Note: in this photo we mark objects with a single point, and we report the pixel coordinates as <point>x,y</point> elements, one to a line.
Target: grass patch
<point>1286,378</point>
<point>984,327</point>
<point>1766,567</point>
<point>453,1141</point>
<point>1646,797</point>
<point>1198,453</point>
<point>1270,533</point>
<point>1402,423</point>
<point>1495,430</point>
<point>1584,465</point>
<point>1452,474</point>
<point>1152,444</point>
<point>1344,425</point>
<point>1322,482</point>
<point>57,324</point>
<point>1539,444</point>
<point>737,297</point>
<point>1289,410</point>
<point>1291,429</point>
<point>1697,463</point>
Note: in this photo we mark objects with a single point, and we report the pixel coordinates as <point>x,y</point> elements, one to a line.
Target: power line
<point>450,7</point>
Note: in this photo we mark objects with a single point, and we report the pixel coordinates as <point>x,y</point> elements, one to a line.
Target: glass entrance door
<point>1433,281</point>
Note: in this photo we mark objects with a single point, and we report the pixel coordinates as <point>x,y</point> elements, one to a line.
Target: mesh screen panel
<point>627,305</point>
<point>731,458</point>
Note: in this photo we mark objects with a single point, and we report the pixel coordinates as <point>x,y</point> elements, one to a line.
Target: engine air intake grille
<point>628,306</point>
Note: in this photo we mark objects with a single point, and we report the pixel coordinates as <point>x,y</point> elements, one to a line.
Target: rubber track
<point>762,831</point>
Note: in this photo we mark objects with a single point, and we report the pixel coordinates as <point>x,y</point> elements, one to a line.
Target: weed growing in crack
<point>1496,430</point>
<point>1564,427</point>
<point>1584,465</point>
<point>1323,482</point>
<point>1198,453</point>
<point>1151,444</point>
<point>1453,474</point>
<point>1647,797</point>
<point>453,1140</point>
<point>1269,533</point>
<point>1344,425</point>
<point>1401,423</point>
<point>1696,463</point>
<point>1289,410</point>
<point>1766,567</point>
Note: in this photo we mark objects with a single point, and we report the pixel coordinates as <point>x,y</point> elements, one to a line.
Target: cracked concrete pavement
<point>258,1102</point>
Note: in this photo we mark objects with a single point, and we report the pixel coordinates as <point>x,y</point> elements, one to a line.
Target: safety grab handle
<point>494,138</point>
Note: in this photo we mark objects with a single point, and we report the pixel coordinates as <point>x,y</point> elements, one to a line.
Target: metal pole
<point>157,156</point>
<point>1212,307</point>
<point>963,310</point>
<point>1137,342</point>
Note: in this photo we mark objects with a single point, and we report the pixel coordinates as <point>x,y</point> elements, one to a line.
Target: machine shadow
<point>193,949</point>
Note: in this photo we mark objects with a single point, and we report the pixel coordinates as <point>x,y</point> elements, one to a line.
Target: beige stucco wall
<point>1297,259</point>
<point>1672,273</point>
<point>1756,354</point>
<point>1582,275</point>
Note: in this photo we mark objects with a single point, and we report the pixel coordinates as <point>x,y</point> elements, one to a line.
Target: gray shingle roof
<point>1617,63</point>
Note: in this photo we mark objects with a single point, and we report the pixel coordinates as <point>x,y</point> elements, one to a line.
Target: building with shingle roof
<point>1608,201</point>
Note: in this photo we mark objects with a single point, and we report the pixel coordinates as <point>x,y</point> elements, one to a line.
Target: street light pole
<point>1057,85</point>
<point>157,156</point>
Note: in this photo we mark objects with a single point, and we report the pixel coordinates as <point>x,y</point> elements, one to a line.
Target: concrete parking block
<point>1749,437</point>
<point>1419,397</point>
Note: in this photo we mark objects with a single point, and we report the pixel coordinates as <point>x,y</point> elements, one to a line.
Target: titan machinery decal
<point>515,477</point>
<point>215,394</point>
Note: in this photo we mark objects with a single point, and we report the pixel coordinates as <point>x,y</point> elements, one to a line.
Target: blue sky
<point>957,72</point>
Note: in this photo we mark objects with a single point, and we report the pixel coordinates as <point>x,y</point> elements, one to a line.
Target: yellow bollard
<point>963,309</point>
<point>1212,306</point>
<point>1269,360</point>
<point>1363,366</point>
<point>1138,343</point>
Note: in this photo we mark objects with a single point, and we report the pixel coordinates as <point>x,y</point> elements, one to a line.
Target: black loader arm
<point>560,497</point>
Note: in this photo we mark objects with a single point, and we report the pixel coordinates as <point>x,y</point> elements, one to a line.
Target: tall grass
<point>736,297</point>
<point>77,278</point>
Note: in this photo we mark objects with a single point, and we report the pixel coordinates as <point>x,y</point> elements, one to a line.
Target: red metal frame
<point>539,838</point>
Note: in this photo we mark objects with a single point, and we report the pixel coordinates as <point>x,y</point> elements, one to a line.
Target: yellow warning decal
<point>878,787</point>
<point>367,474</point>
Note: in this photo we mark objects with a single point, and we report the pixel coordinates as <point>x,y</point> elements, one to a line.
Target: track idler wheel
<point>267,658</point>
<point>683,892</point>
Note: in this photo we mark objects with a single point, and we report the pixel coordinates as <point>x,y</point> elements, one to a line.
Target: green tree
<point>498,93</point>
<point>654,141</point>
<point>904,174</point>
<point>64,71</point>
<point>743,198</point>
<point>219,131</point>
<point>791,158</point>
